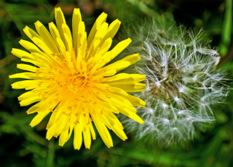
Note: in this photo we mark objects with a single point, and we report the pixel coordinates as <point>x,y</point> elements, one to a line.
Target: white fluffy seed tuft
<point>182,82</point>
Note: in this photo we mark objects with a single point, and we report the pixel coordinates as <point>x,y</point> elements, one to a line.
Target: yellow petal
<point>42,45</point>
<point>113,28</point>
<point>30,100</point>
<point>81,44</point>
<point>64,137</point>
<point>115,126</point>
<point>31,61</point>
<point>78,136</point>
<point>30,32</point>
<point>60,20</point>
<point>58,127</point>
<point>46,36</point>
<point>119,132</point>
<point>57,113</point>
<point>56,36</point>
<point>136,101</point>
<point>87,137</point>
<point>33,109</point>
<point>114,52</point>
<point>27,84</point>
<point>125,78</point>
<point>99,53</point>
<point>136,118</point>
<point>67,37</point>
<point>75,24</point>
<point>103,131</point>
<point>38,118</point>
<point>20,53</point>
<point>133,99</point>
<point>27,67</point>
<point>102,18</point>
<point>123,63</point>
<point>97,40</point>
<point>92,131</point>
<point>29,46</point>
<point>135,87</point>
<point>23,75</point>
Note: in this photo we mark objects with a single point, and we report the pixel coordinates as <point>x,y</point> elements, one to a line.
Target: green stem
<point>227,26</point>
<point>51,154</point>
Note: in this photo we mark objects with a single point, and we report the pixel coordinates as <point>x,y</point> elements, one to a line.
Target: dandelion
<point>72,77</point>
<point>182,82</point>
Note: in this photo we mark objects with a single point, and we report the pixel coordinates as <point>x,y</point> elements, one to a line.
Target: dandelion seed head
<point>182,82</point>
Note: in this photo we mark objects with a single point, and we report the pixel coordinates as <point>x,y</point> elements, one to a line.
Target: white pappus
<point>183,82</point>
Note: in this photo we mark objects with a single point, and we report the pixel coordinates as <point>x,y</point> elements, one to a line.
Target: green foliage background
<point>23,146</point>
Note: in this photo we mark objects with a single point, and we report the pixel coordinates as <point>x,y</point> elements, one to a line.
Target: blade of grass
<point>143,7</point>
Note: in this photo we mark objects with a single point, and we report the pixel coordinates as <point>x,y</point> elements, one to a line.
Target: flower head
<point>72,76</point>
<point>182,82</point>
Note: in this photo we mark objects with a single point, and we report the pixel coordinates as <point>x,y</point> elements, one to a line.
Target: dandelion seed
<point>71,76</point>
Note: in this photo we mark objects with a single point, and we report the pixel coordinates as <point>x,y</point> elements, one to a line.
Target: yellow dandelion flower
<point>71,76</point>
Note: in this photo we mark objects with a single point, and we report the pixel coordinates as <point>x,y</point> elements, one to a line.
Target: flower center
<point>72,84</point>
<point>77,81</point>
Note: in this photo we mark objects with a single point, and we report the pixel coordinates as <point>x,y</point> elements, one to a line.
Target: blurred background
<point>23,146</point>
